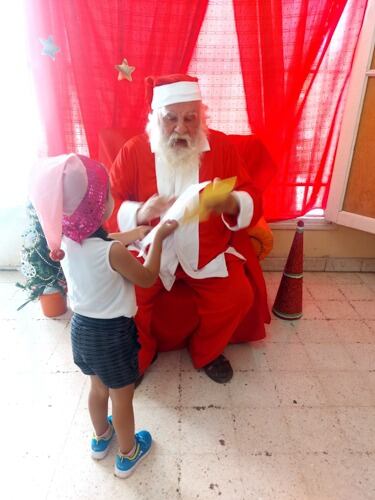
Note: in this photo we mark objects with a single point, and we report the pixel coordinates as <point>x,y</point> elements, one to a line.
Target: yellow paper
<point>215,192</point>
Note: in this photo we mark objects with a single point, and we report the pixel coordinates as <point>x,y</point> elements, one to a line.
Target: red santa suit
<point>214,258</point>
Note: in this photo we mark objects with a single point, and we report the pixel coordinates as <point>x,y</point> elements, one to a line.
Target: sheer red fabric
<point>293,62</point>
<point>78,92</point>
<point>296,56</point>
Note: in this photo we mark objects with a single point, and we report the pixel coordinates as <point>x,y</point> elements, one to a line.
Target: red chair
<point>184,319</point>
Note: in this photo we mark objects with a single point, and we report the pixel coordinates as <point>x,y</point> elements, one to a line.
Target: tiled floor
<point>296,422</point>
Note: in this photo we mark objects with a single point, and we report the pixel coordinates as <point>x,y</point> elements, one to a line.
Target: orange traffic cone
<point>288,302</point>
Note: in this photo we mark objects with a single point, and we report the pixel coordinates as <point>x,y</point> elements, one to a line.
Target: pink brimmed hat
<point>171,89</point>
<point>69,193</point>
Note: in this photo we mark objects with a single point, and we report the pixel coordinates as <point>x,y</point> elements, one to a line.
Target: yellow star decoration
<point>125,71</point>
<point>215,192</point>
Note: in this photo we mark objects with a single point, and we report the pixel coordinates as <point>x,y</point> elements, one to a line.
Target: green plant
<point>40,271</point>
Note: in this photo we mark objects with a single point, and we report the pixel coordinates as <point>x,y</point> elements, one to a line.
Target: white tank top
<point>95,289</point>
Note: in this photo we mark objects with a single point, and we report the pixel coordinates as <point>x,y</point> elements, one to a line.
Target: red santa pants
<point>221,305</point>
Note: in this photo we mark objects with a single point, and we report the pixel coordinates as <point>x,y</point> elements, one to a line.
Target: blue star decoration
<point>125,71</point>
<point>49,47</point>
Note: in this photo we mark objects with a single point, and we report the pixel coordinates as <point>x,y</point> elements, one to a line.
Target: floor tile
<point>296,421</point>
<point>363,355</point>
<point>211,475</point>
<point>315,331</point>
<point>364,308</point>
<point>197,390</point>
<point>311,310</point>
<point>338,477</point>
<point>295,389</point>
<point>262,431</point>
<point>371,324</point>
<point>164,425</point>
<point>325,292</point>
<point>350,388</point>
<point>358,427</point>
<point>329,357</point>
<point>253,390</point>
<point>207,430</point>
<point>280,330</point>
<point>345,278</point>
<point>337,309</point>
<point>158,474</point>
<point>352,331</point>
<point>353,291</point>
<point>158,390</point>
<point>273,477</point>
<point>315,430</point>
<point>10,276</point>
<point>321,278</point>
<point>288,357</point>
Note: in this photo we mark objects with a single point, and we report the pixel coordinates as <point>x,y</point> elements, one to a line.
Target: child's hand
<point>127,237</point>
<point>154,207</point>
<point>166,228</point>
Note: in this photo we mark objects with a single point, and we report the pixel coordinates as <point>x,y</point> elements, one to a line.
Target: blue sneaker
<point>100,447</point>
<point>124,465</point>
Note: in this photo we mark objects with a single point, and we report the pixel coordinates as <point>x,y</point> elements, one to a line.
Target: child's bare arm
<point>128,266</point>
<point>143,275</point>
<point>128,237</point>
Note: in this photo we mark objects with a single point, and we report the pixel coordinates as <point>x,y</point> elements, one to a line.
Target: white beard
<point>175,157</point>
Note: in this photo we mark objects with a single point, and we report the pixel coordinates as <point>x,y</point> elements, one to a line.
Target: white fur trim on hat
<point>172,93</point>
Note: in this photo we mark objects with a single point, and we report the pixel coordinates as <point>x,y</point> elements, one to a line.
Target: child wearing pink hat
<point>72,198</point>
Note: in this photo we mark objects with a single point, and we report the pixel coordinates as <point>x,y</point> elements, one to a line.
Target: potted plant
<point>44,277</point>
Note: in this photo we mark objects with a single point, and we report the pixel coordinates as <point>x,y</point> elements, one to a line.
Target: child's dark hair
<point>100,233</point>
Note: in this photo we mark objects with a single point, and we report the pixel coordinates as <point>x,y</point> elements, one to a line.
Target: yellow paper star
<point>214,192</point>
<point>125,71</point>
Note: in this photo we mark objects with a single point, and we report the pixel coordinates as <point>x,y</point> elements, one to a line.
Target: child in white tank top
<point>71,196</point>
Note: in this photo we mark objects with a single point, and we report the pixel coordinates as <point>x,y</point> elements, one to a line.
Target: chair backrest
<point>257,160</point>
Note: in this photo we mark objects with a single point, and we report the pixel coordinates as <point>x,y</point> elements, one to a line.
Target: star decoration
<point>125,71</point>
<point>49,47</point>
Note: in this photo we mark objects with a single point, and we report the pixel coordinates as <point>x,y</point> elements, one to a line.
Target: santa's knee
<point>243,298</point>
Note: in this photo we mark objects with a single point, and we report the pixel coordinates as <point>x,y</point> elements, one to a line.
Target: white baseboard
<point>324,264</point>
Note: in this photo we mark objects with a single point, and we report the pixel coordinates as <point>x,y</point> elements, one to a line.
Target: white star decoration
<point>49,47</point>
<point>125,71</point>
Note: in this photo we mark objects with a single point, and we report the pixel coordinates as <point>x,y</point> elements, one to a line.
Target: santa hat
<point>170,89</point>
<point>69,193</point>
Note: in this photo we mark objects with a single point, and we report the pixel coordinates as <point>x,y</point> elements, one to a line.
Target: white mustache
<point>174,137</point>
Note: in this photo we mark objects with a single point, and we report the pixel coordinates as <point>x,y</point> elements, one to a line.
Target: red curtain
<point>296,57</point>
<point>78,92</point>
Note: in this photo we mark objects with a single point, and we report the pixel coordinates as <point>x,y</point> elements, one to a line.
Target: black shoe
<point>219,370</point>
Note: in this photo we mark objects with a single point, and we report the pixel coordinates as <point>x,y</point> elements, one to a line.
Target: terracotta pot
<point>53,304</point>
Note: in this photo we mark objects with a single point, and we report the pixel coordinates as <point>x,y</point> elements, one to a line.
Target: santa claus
<point>214,257</point>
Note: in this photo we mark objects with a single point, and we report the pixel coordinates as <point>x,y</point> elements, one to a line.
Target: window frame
<point>361,72</point>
